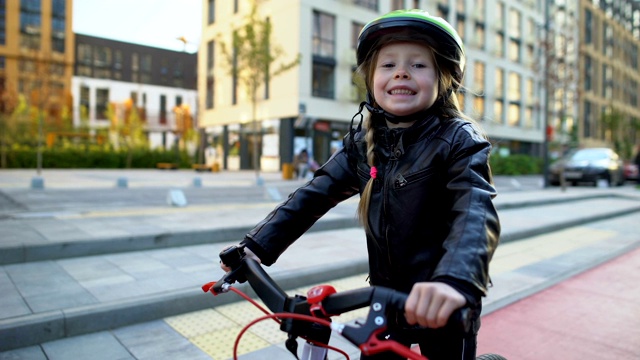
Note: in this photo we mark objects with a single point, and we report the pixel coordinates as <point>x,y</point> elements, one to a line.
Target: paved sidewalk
<point>69,269</point>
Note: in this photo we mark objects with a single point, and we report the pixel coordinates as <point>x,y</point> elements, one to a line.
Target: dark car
<point>631,172</point>
<point>598,166</point>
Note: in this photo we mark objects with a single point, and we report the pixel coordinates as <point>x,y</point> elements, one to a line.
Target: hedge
<point>68,158</point>
<point>515,165</point>
<point>77,157</point>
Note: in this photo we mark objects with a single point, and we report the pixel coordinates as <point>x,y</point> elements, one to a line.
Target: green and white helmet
<point>447,41</point>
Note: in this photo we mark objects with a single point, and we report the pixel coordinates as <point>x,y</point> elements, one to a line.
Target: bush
<point>92,157</point>
<point>515,165</point>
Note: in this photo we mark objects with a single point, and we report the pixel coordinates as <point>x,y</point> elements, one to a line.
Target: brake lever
<point>233,257</point>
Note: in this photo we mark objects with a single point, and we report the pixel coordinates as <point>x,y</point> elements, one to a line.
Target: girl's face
<point>405,79</point>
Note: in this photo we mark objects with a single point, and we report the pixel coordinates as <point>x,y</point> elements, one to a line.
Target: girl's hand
<point>247,253</point>
<point>430,304</point>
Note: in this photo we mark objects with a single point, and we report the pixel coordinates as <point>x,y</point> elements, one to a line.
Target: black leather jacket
<point>431,214</point>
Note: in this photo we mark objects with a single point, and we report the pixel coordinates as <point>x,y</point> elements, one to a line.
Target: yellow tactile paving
<point>516,254</point>
<point>215,330</point>
<point>219,344</point>
<point>199,323</point>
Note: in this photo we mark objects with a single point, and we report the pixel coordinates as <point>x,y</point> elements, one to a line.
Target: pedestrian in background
<point>302,164</point>
<point>421,168</point>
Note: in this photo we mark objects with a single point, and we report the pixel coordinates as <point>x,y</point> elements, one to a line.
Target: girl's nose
<point>401,74</point>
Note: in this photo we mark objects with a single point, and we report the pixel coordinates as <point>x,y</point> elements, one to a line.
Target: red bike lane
<point>594,315</point>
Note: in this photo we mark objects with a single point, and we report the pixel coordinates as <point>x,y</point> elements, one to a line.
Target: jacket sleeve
<point>475,227</point>
<point>332,183</point>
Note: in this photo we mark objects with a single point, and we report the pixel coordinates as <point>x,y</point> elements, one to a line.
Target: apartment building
<point>311,105</point>
<point>610,74</point>
<point>36,55</point>
<point>155,81</point>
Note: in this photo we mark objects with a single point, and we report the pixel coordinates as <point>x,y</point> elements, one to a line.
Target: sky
<point>157,23</point>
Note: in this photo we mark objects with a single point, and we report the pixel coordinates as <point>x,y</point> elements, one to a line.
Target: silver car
<point>598,166</point>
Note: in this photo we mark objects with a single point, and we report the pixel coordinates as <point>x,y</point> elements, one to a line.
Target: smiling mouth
<point>402,92</point>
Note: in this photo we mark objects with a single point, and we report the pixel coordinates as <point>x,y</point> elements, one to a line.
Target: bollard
<point>37,182</point>
<point>122,183</point>
<point>176,197</point>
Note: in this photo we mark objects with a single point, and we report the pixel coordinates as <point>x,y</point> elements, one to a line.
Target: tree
<point>250,59</point>
<point>127,128</point>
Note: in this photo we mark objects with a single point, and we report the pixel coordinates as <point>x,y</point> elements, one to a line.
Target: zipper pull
<point>400,181</point>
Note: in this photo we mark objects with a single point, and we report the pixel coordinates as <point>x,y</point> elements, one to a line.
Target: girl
<point>421,169</point>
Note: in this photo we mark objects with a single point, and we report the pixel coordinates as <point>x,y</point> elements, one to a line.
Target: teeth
<point>402,92</point>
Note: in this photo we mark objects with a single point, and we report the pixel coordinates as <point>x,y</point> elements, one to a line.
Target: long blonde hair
<point>448,105</point>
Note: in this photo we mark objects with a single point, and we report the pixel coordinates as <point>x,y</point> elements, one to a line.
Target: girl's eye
<point>387,65</point>
<point>419,66</point>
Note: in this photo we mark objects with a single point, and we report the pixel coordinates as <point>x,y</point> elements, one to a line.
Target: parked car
<point>631,172</point>
<point>593,165</point>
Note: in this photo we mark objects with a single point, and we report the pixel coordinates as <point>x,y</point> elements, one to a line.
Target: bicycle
<point>309,317</point>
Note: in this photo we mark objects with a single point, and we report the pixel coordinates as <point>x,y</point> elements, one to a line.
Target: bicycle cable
<point>276,317</point>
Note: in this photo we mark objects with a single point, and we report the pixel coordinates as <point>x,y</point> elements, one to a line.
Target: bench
<point>167,166</point>
<point>201,167</point>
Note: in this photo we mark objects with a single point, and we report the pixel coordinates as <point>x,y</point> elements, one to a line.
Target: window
<point>211,12</point>
<point>499,51</point>
<point>514,24</point>
<point>514,50</point>
<point>209,75</point>
<point>323,80</point>
<point>163,109</point>
<point>209,93</point>
<point>85,102</point>
<point>531,96</point>
<point>355,33</point>
<point>460,26</point>
<point>397,4</point>
<point>367,4</point>
<point>513,117</point>
<point>498,107</point>
<point>30,23</point>
<point>478,106</point>
<point>145,66</point>
<point>3,22</point>
<point>478,77</point>
<point>102,56</point>
<point>178,100</point>
<point>499,77</point>
<point>588,27</point>
<point>323,35</point>
<point>102,103</point>
<point>323,55</point>
<point>479,36</point>
<point>515,93</point>
<point>135,66</point>
<point>84,54</point>
<point>210,58</point>
<point>58,24</point>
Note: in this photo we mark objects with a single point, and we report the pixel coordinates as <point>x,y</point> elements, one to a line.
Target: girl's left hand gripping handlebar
<point>232,257</point>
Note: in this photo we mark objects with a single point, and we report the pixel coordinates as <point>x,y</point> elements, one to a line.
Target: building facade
<point>541,75</point>
<point>122,75</point>
<point>311,106</point>
<point>610,74</point>
<point>36,55</point>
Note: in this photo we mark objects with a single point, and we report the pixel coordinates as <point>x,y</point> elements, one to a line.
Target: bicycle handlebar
<point>324,302</point>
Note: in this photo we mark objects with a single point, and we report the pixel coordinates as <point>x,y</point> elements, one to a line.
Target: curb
<point>70,249</point>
